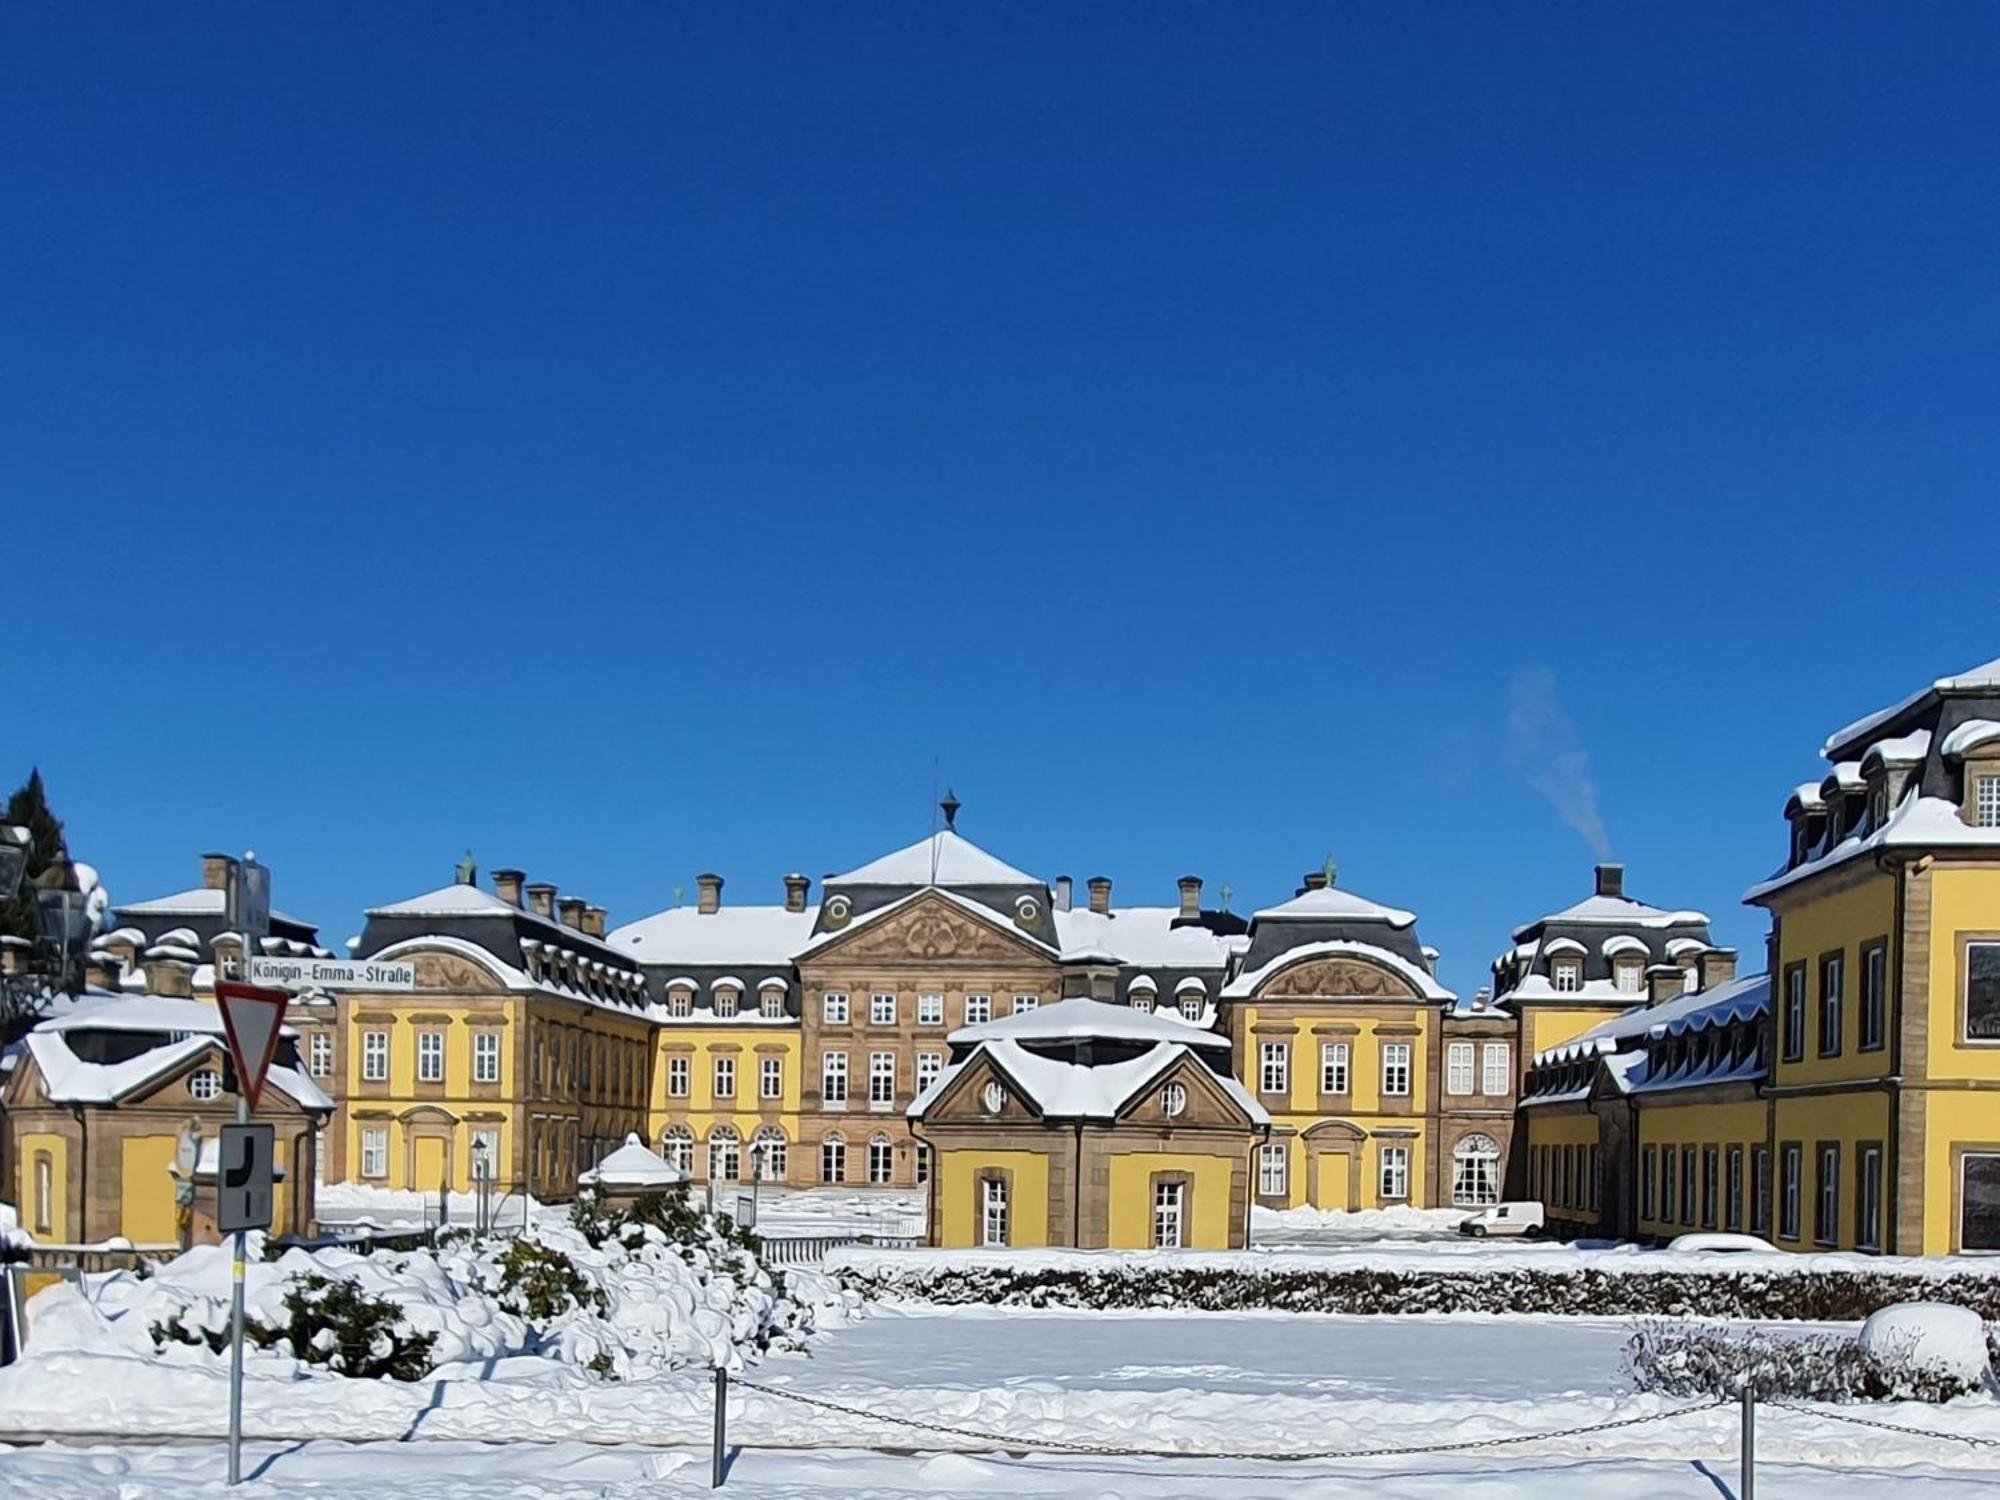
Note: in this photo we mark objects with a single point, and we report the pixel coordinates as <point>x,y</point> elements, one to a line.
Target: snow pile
<point>1299,1225</point>
<point>1934,1336</point>
<point>635,1305</point>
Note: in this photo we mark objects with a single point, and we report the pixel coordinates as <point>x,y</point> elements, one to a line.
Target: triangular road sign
<point>251,1018</point>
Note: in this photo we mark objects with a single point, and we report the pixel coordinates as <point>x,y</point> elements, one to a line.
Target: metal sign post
<point>248,899</point>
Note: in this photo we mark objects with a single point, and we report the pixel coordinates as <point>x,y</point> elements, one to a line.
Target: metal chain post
<point>1746,1457</point>
<point>719,1454</point>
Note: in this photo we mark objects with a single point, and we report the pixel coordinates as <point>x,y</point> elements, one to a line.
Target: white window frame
<point>1023,1004</point>
<point>1475,1174</point>
<point>833,1008</point>
<point>1868,1199</point>
<point>374,1057</point>
<point>771,1004</point>
<point>930,1010</point>
<point>1458,1068</point>
<point>680,1076</point>
<point>725,1150</point>
<point>833,1158</point>
<point>486,1055</point>
<point>374,1151</point>
<point>1832,1018</point>
<point>1496,1070</point>
<point>881,1161</point>
<point>430,1057</point>
<point>320,1050</point>
<point>771,1078</point>
<point>929,1065</point>
<point>1274,1068</point>
<point>1791,1192</point>
<point>770,1155</point>
<point>1395,1174</point>
<point>205,1084</point>
<point>978,1009</point>
<point>1986,800</point>
<point>881,1080</point>
<point>1169,1215</point>
<point>723,1076</point>
<point>1336,1067</point>
<point>833,1080</point>
<point>490,1135</point>
<point>1826,1207</point>
<point>993,1215</point>
<point>881,1009</point>
<point>1396,1067</point>
<point>1274,1176</point>
<point>677,1148</point>
<point>1566,976</point>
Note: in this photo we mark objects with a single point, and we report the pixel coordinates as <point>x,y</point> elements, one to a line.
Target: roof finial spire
<point>1331,870</point>
<point>949,807</point>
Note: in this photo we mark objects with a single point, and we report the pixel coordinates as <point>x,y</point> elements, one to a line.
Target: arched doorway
<point>1475,1172</point>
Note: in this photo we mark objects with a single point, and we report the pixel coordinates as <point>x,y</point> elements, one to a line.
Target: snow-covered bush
<point>538,1282</point>
<point>1949,1341</point>
<point>1704,1359</point>
<point>329,1321</point>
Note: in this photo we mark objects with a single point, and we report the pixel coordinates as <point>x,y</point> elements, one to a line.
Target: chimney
<point>542,899</point>
<point>1065,892</point>
<point>710,888</point>
<point>1315,881</point>
<point>507,885</point>
<point>796,888</point>
<point>594,918</point>
<point>571,908</point>
<point>215,870</point>
<point>1718,966</point>
<point>1190,895</point>
<point>1611,880</point>
<point>171,977</point>
<point>1663,982</point>
<point>14,954</point>
<point>1482,998</point>
<point>1100,893</point>
<point>102,971</point>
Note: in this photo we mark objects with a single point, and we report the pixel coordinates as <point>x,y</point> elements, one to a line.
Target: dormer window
<point>1567,976</point>
<point>1629,978</point>
<point>725,1000</point>
<point>680,1002</point>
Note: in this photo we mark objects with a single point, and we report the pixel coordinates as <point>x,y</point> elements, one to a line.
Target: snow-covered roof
<point>456,900</point>
<point>1554,945</point>
<point>985,914</point>
<point>728,982</point>
<point>71,1080</point>
<point>103,1011</point>
<point>199,902</point>
<point>1142,936</point>
<point>1079,1018</point>
<point>1245,984</point>
<point>1332,902</point>
<point>1622,942</point>
<point>1190,985</point>
<point>772,982</point>
<point>1806,796</point>
<point>945,858</point>
<point>1983,678</point>
<point>632,1165</point>
<point>1903,750</point>
<point>1739,999</point>
<point>1061,1089</point>
<point>1968,737</point>
<point>1144,982</point>
<point>748,935</point>
<point>1917,822</point>
<point>1620,911</point>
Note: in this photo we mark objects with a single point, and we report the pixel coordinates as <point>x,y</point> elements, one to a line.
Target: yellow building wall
<point>1552,1025</point>
<point>1847,920</point>
<point>1028,1204</point>
<point>1553,1129</point>
<point>54,1223</point>
<point>1131,1226</point>
<point>147,1213</point>
<point>749,1111</point>
<point>1963,899</point>
<point>1722,1126</point>
<point>1846,1120</point>
<point>1952,1119</point>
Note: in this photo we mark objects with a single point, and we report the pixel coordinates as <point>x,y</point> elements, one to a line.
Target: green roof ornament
<point>468,872</point>
<point>1332,872</point>
<point>1227,893</point>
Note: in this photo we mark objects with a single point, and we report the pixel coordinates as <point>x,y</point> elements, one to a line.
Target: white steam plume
<point>1545,751</point>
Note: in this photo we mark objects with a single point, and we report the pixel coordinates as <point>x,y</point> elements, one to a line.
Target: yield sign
<point>251,1017</point>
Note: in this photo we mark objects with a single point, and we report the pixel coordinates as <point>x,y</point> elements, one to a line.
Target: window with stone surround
<point>374,1151</point>
<point>320,1050</point>
<point>993,1225</point>
<point>881,1160</point>
<point>1395,1181</point>
<point>1274,1068</point>
<point>1334,1067</point>
<point>430,1057</point>
<point>833,1008</point>
<point>833,1079</point>
<point>1982,992</point>
<point>486,1056</point>
<point>1169,1202</point>
<point>881,1010</point>
<point>978,1009</point>
<point>771,1075</point>
<point>725,1078</point>
<point>679,1071</point>
<point>1496,1069</point>
<point>1273,1170</point>
<point>1986,801</point>
<point>374,1057</point>
<point>1458,1068</point>
<point>930,1010</point>
<point>881,1080</point>
<point>1396,1069</point>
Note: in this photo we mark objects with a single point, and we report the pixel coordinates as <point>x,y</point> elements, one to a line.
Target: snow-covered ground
<point>1325,1226</point>
<point>781,1212</point>
<point>815,1211</point>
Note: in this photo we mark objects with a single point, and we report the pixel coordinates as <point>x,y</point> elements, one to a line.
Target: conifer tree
<point>29,808</point>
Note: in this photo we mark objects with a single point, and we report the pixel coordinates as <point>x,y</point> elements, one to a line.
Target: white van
<point>1503,1218</point>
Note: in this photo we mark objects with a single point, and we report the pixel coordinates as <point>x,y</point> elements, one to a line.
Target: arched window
<point>1475,1172</point>
<point>677,1148</point>
<point>725,1154</point>
<point>833,1158</point>
<point>881,1160</point>
<point>770,1151</point>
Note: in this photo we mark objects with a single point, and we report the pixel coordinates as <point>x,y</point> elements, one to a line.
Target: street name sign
<point>332,974</point>
<point>251,1020</point>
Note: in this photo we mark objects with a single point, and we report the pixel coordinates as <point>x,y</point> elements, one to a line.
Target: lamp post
<point>482,1187</point>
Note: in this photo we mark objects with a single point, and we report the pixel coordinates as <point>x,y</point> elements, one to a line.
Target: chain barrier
<point>1109,1450</point>
<point>1840,1416</point>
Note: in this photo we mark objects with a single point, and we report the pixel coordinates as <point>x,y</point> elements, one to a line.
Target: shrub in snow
<point>1703,1359</point>
<point>329,1321</point>
<point>539,1282</point>
<point>1950,1341</point>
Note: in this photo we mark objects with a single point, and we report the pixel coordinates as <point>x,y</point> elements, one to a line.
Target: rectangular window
<point>1025,1003</point>
<point>1690,1165</point>
<point>881,1010</point>
<point>1793,1040</point>
<point>1986,802</point>
<point>1982,992</point>
<point>1649,1182</point>
<point>45,1193</point>
<point>992,1210</point>
<point>1832,996</point>
<point>771,1078</point>
<point>1792,1168</point>
<point>1333,1067</point>
<point>1669,1166</point>
<point>930,1010</point>
<point>1496,1069</point>
<point>374,1152</point>
<point>929,1065</point>
<point>1274,1068</point>
<point>771,1003</point>
<point>1396,1069</point>
<point>321,1051</point>
<point>1273,1162</point>
<point>1979,1201</point>
<point>770,1156</point>
<point>833,1009</point>
<point>1568,977</point>
<point>677,1077</point>
<point>1868,1199</point>
<point>1826,1214</point>
<point>486,1154</point>
<point>1711,1184</point>
<point>374,1057</point>
<point>1168,1198</point>
<point>1874,997</point>
<point>978,1009</point>
<point>1458,1068</point>
<point>430,1057</point>
<point>881,1079</point>
<point>833,1078</point>
<point>486,1056</point>
<point>1628,978</point>
<point>1760,1189</point>
<point>725,1078</point>
<point>833,1159</point>
<point>1735,1219</point>
<point>1395,1172</point>
<point>881,1162</point>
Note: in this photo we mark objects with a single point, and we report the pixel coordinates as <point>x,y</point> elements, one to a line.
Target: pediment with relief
<point>932,930</point>
<point>451,971</point>
<point>1341,978</point>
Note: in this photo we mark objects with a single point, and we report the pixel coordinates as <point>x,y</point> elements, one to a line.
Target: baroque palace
<point>1064,1072</point>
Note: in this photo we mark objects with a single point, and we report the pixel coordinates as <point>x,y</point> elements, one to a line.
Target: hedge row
<point>1829,1295</point>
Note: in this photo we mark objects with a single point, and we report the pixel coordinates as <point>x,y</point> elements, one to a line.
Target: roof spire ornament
<point>468,871</point>
<point>949,807</point>
<point>1331,870</point>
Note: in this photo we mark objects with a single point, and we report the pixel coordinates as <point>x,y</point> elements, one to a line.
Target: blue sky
<point>636,440</point>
